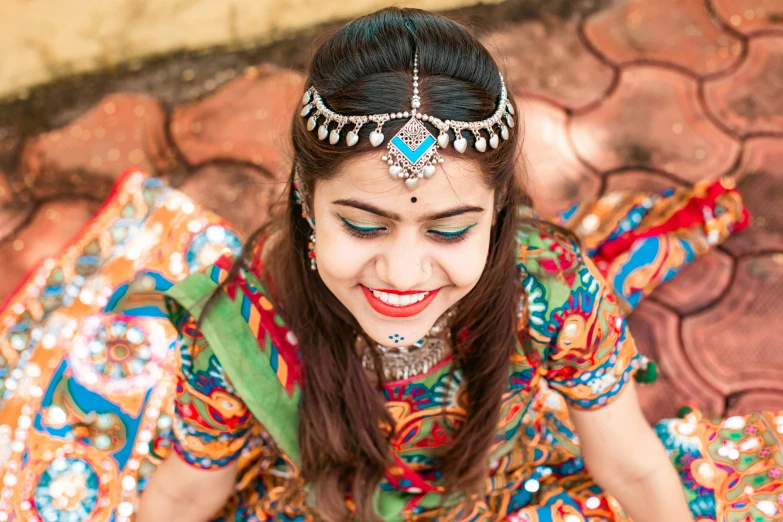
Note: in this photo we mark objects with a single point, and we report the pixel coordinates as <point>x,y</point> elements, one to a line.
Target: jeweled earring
<point>311,251</point>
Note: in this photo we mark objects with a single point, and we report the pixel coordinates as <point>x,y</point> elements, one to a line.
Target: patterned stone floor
<point>640,93</point>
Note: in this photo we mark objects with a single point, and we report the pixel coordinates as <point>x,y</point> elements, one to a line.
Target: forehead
<point>457,181</point>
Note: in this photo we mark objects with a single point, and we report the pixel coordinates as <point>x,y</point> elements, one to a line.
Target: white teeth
<point>397,299</point>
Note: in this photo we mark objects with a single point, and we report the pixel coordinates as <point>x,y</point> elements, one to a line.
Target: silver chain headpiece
<point>413,151</point>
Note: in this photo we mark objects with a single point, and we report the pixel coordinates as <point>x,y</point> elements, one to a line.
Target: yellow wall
<point>41,40</point>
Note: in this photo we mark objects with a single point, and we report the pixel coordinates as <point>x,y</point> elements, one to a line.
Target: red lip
<point>398,311</point>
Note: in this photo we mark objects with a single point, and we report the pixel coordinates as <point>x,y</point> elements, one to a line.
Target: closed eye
<point>357,230</point>
<point>451,236</point>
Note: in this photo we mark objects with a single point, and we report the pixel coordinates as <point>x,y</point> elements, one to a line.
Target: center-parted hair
<point>366,67</point>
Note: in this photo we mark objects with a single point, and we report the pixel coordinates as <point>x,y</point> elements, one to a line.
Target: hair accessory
<point>413,151</point>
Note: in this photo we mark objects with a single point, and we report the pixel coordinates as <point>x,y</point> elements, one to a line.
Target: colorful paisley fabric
<point>580,346</point>
<point>98,386</point>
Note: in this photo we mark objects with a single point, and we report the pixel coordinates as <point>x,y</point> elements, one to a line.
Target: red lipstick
<point>398,311</point>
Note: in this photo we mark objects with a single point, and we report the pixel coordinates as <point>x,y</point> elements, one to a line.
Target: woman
<point>302,394</point>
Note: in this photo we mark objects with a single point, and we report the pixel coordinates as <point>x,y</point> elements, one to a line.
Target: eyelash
<point>370,233</point>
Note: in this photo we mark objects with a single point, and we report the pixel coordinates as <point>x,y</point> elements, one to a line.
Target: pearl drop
<point>390,162</point>
<point>334,137</point>
<point>376,138</point>
<point>416,104</point>
<point>384,157</point>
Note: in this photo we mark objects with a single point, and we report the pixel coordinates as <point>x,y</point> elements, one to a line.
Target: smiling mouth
<point>398,304</point>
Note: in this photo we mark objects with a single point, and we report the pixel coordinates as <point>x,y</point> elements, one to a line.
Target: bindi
<point>414,199</point>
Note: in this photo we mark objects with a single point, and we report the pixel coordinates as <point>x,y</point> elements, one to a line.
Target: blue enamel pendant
<point>413,153</point>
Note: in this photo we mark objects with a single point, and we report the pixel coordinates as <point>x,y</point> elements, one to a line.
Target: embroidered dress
<point>574,349</point>
<point>99,387</point>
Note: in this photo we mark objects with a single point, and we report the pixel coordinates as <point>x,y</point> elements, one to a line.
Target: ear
<point>302,196</point>
<point>499,205</point>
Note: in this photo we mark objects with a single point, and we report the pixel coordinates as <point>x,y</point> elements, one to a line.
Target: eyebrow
<point>361,205</point>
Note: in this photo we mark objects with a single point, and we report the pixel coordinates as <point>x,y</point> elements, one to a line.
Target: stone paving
<point>636,94</point>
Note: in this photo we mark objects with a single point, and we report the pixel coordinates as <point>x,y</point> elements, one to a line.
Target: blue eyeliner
<point>456,233</point>
<point>357,227</point>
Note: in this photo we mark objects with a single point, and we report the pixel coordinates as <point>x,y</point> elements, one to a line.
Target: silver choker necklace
<point>404,362</point>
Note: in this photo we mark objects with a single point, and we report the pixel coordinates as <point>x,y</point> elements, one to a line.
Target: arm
<point>211,426</point>
<point>626,459</point>
<point>178,492</point>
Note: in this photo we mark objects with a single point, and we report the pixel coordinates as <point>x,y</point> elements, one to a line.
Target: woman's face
<point>398,258</point>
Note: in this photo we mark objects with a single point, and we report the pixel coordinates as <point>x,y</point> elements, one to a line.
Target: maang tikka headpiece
<point>413,151</point>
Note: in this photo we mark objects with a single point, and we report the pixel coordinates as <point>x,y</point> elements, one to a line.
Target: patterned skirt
<point>85,410</point>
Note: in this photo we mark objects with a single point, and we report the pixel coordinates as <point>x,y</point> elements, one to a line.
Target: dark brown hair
<point>365,67</point>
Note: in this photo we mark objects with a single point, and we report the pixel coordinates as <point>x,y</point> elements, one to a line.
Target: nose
<point>404,264</point>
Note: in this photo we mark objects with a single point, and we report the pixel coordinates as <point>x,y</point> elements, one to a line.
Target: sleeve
<point>577,329</point>
<point>211,422</point>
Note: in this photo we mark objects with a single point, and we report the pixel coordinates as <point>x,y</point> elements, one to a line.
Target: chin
<point>391,325</point>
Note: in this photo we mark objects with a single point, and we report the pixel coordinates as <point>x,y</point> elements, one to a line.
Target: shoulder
<point>239,360</point>
<point>566,296</point>
<point>552,269</point>
<point>574,320</point>
<point>240,321</point>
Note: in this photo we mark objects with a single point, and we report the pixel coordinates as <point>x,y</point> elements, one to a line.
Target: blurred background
<point>615,94</point>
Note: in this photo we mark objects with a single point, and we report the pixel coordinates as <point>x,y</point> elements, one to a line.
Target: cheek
<point>337,257</point>
<point>463,265</point>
